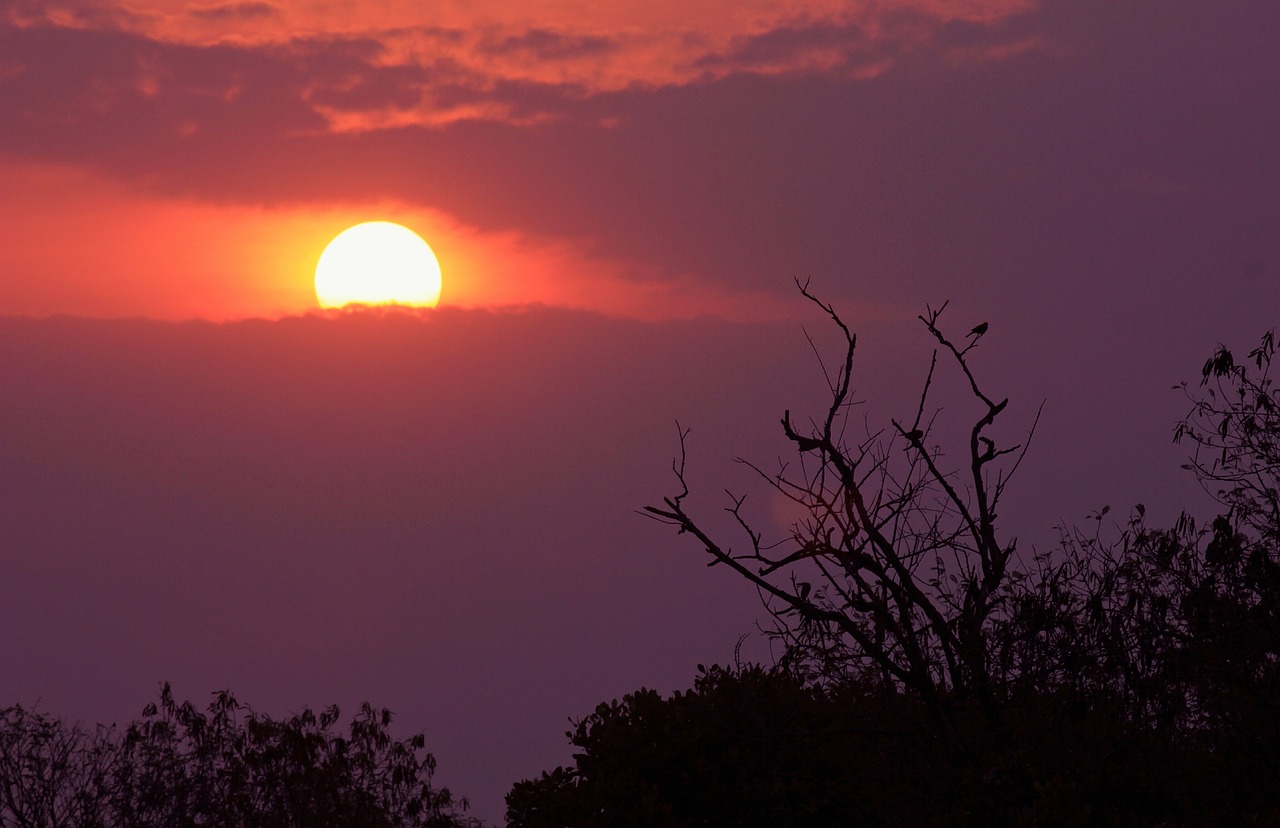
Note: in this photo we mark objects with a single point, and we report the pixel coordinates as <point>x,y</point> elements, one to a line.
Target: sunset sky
<point>204,479</point>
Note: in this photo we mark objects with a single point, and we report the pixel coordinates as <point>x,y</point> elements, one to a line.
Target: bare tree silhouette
<point>897,567</point>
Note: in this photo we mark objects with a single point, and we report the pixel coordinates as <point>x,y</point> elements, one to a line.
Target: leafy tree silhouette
<point>227,766</point>
<point>933,675</point>
<point>51,774</point>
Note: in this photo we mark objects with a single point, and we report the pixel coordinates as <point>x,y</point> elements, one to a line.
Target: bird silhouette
<point>979,330</point>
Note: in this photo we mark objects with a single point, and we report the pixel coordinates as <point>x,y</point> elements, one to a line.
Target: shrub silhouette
<point>934,673</point>
<point>226,766</point>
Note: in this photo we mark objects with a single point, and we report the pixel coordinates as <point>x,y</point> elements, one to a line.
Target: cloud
<point>244,11</point>
<point>822,44</point>
<point>946,169</point>
<point>377,89</point>
<point>89,92</point>
<point>865,46</point>
<point>600,49</point>
<point>1089,177</point>
<point>76,15</point>
<point>86,66</point>
<point>549,44</point>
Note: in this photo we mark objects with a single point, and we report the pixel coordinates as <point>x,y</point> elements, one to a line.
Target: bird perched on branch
<point>979,330</point>
<point>802,443</point>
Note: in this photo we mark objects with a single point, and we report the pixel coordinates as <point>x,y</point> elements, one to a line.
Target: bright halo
<point>378,263</point>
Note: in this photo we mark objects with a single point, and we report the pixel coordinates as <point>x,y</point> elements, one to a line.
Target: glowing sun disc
<point>378,263</point>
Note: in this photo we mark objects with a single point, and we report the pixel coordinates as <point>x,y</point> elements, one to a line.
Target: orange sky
<point>93,247</point>
<point>96,242</point>
<point>654,160</point>
<point>598,45</point>
<point>368,497</point>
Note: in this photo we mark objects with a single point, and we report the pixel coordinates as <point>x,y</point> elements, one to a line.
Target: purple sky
<point>200,482</point>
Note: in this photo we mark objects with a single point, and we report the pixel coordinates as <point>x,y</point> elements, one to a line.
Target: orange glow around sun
<point>245,261</point>
<point>378,263</point>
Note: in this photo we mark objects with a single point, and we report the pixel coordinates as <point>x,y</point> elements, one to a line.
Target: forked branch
<point>897,563</point>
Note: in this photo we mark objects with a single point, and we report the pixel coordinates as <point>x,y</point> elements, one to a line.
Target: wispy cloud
<point>242,12</point>
<point>549,44</point>
<point>1018,125</point>
<point>596,51</point>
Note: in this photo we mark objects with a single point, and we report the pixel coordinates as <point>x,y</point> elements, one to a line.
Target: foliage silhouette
<point>748,746</point>
<point>227,766</point>
<point>934,675</point>
<point>50,774</point>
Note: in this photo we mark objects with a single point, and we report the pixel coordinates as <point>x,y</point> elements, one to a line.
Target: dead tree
<point>896,571</point>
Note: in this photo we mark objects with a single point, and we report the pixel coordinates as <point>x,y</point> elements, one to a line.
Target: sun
<point>378,263</point>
